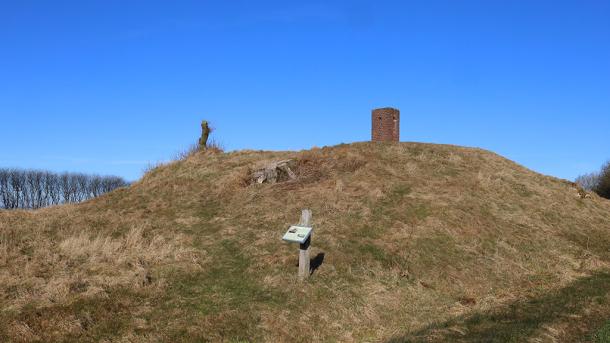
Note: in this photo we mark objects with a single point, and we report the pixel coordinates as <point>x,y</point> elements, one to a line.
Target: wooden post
<point>304,248</point>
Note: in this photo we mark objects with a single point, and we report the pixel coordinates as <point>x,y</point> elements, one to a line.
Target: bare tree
<point>34,189</point>
<point>51,185</point>
<point>96,185</point>
<point>111,183</point>
<point>4,191</point>
<point>17,182</point>
<point>30,189</point>
<point>588,181</point>
<point>82,187</point>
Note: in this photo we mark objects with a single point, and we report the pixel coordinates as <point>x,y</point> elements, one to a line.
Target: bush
<point>603,185</point>
<point>588,182</point>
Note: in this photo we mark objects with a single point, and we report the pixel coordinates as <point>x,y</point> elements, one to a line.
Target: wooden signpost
<point>301,234</point>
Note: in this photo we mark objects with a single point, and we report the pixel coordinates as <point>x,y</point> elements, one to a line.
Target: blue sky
<point>111,86</point>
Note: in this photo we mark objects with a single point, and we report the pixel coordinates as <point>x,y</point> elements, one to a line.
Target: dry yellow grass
<point>421,243</point>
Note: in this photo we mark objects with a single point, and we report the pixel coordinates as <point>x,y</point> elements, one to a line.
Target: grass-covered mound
<point>412,242</point>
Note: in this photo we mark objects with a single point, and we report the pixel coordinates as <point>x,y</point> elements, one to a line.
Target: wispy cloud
<point>128,162</point>
<point>79,160</point>
<point>305,12</point>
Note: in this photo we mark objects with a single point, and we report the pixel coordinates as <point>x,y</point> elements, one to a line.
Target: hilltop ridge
<point>412,241</point>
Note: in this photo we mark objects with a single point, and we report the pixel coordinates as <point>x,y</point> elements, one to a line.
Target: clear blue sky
<point>110,86</point>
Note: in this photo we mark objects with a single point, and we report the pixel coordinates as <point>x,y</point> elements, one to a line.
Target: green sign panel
<point>297,234</point>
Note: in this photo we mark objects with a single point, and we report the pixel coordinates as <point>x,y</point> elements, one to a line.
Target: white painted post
<point>304,248</point>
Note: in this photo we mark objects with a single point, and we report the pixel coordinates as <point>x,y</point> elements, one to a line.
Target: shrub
<point>588,182</point>
<point>603,185</point>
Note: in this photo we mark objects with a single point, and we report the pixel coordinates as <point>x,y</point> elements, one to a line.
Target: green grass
<point>603,334</point>
<point>518,321</point>
<point>226,290</point>
<point>385,258</point>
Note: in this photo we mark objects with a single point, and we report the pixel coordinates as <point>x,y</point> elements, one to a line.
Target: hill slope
<point>412,242</point>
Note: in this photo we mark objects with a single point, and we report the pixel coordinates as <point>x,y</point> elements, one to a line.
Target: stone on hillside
<point>274,172</point>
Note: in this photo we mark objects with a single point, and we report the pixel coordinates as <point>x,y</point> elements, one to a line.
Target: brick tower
<point>386,125</point>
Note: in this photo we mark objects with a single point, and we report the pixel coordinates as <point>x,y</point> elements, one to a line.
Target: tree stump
<point>205,134</point>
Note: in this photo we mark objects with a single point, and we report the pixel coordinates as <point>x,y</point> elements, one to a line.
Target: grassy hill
<point>412,242</point>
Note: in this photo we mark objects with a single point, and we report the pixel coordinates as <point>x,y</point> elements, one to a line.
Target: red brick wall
<point>386,125</point>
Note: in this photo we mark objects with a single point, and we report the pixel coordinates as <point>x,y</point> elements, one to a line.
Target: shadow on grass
<point>316,262</point>
<point>518,321</point>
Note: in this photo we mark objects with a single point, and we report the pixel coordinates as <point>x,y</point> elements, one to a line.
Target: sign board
<point>297,234</point>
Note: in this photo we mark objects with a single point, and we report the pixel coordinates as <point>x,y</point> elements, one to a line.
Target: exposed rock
<point>274,172</point>
<point>582,193</point>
